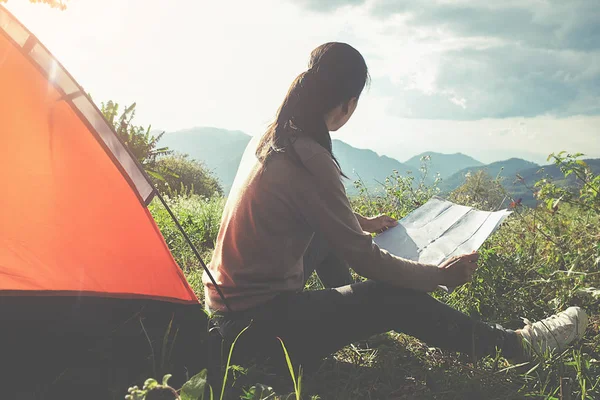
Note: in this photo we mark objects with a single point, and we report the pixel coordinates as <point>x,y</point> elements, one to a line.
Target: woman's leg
<point>314,324</point>
<point>332,270</point>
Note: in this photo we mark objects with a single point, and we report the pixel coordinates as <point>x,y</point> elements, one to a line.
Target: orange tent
<point>73,212</point>
<point>80,254</point>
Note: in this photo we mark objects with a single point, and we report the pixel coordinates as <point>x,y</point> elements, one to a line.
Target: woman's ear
<point>338,117</point>
<point>350,105</point>
<point>346,107</point>
<point>353,103</point>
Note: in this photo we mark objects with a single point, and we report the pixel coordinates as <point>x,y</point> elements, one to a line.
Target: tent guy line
<point>194,250</point>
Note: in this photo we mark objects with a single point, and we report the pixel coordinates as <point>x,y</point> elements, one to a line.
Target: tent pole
<point>189,242</point>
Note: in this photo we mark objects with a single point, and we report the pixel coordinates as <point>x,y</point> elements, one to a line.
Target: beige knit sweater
<point>269,220</point>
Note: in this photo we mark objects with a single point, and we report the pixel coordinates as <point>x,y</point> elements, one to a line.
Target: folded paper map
<point>438,230</point>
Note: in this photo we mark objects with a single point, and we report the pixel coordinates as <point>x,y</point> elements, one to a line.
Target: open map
<point>438,230</point>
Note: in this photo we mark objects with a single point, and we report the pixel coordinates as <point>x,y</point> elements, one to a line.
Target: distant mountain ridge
<point>221,150</point>
<point>365,165</point>
<point>506,168</point>
<point>532,175</point>
<point>444,164</point>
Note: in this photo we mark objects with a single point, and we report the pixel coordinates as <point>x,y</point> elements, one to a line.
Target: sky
<point>490,79</point>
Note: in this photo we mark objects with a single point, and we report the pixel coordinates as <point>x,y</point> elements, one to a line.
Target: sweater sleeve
<point>325,206</point>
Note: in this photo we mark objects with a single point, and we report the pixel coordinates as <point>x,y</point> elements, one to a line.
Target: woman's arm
<point>322,201</point>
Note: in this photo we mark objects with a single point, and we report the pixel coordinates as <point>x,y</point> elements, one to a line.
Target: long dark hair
<point>336,73</point>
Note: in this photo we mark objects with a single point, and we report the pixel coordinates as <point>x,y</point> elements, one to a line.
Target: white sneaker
<point>555,332</point>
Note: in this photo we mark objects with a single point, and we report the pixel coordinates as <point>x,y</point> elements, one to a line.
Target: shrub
<point>480,191</point>
<point>186,176</point>
<point>399,195</point>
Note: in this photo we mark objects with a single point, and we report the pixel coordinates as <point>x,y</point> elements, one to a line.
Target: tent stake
<point>189,242</point>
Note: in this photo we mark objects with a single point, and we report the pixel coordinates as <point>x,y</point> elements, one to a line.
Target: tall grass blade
<point>229,361</point>
<point>165,343</point>
<point>291,369</point>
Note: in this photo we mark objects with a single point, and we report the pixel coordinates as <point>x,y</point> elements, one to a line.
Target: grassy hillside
<point>539,262</point>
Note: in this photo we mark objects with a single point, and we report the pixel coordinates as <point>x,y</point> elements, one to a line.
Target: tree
<point>140,141</point>
<point>172,174</point>
<point>60,4</point>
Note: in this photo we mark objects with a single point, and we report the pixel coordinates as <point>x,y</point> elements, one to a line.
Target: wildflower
<point>516,203</point>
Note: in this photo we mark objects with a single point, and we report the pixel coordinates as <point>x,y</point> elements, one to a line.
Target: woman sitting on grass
<point>288,215</point>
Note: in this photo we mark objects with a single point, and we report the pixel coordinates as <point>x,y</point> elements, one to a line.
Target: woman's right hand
<point>459,270</point>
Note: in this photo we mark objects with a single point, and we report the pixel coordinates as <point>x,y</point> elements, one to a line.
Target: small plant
<point>197,387</point>
<point>194,389</point>
<point>586,195</point>
<point>152,386</point>
<point>399,195</point>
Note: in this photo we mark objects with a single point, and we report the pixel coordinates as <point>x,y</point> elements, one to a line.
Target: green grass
<point>540,261</point>
<point>199,216</point>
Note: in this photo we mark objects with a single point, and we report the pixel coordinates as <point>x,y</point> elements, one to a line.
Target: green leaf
<point>150,384</point>
<point>155,175</point>
<point>570,363</point>
<point>165,379</point>
<point>194,388</point>
<point>297,383</point>
<point>289,363</point>
<point>260,392</point>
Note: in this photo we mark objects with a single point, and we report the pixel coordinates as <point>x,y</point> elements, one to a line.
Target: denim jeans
<point>315,323</point>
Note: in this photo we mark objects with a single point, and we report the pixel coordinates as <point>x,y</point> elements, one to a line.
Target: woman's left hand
<point>378,224</point>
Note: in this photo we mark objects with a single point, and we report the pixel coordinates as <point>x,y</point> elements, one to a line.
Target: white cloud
<point>505,59</point>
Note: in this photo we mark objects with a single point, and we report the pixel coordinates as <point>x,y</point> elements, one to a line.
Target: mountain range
<point>221,150</point>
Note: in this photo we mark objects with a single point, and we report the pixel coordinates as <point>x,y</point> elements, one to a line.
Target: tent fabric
<point>66,85</point>
<point>73,219</point>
